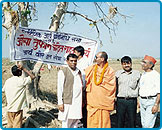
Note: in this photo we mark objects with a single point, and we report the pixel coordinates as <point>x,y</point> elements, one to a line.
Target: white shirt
<point>15,92</point>
<point>82,64</point>
<point>73,111</point>
<point>149,83</point>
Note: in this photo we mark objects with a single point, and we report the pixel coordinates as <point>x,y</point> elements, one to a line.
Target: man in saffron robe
<point>100,88</point>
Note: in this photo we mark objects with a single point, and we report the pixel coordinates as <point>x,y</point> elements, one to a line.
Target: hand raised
<point>20,66</point>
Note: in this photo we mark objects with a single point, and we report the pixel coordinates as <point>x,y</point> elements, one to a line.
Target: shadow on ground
<point>42,118</point>
<point>49,96</point>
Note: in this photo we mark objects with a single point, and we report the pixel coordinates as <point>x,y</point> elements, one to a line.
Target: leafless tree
<point>21,13</point>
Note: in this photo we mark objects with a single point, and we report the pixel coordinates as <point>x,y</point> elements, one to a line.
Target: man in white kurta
<point>82,64</point>
<point>70,114</point>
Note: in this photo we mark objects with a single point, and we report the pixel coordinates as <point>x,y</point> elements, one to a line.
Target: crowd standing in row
<point>104,88</point>
<point>88,93</point>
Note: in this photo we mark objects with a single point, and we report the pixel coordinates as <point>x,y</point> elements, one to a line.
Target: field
<point>48,88</point>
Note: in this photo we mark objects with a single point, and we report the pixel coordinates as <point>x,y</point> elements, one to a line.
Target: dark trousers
<point>84,119</point>
<point>126,112</point>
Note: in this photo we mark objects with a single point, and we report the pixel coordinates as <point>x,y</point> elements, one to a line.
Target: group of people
<point>88,93</point>
<point>131,84</point>
<point>103,89</point>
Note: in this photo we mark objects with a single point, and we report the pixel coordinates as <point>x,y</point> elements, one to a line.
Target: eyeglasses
<point>144,62</point>
<point>97,57</point>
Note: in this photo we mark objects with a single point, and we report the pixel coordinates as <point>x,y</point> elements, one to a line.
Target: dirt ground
<point>47,117</point>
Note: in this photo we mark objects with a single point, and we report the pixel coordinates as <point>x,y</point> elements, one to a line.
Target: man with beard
<point>127,93</point>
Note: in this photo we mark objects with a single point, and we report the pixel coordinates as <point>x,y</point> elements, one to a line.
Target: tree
<point>21,13</point>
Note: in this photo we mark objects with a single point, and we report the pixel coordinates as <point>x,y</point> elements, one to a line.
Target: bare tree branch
<point>6,7</point>
<point>13,5</point>
<point>84,16</point>
<point>88,19</point>
<point>75,4</point>
<point>97,10</point>
<point>60,9</point>
<point>100,9</point>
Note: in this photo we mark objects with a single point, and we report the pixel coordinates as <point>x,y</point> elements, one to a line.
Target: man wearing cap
<point>149,92</point>
<point>15,92</point>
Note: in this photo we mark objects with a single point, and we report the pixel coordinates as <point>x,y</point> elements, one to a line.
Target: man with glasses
<point>69,93</point>
<point>149,92</point>
<point>100,90</point>
<point>127,92</point>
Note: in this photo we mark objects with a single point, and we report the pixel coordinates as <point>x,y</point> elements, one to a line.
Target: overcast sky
<point>139,36</point>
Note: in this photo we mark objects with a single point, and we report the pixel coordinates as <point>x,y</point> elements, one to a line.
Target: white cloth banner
<point>48,46</point>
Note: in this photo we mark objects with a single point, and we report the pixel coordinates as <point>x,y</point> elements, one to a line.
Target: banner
<point>48,46</point>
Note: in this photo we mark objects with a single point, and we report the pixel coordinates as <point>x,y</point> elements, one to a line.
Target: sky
<point>139,36</point>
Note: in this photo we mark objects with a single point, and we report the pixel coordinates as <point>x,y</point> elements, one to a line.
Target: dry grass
<point>48,79</point>
<point>116,65</point>
<point>48,84</point>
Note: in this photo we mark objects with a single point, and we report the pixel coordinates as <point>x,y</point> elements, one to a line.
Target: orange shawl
<point>103,95</point>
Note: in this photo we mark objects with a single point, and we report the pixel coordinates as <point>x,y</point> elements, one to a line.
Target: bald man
<point>100,90</point>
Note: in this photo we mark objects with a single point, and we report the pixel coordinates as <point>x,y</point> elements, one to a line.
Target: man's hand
<point>61,107</point>
<point>138,103</point>
<point>25,70</point>
<point>20,66</point>
<point>155,109</point>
